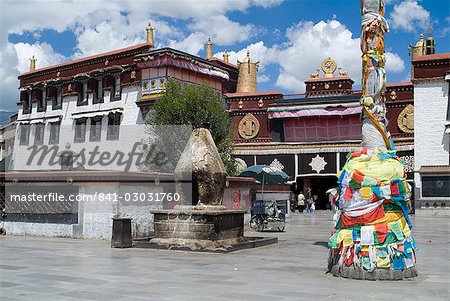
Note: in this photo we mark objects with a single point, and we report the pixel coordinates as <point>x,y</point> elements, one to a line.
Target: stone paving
<point>34,268</point>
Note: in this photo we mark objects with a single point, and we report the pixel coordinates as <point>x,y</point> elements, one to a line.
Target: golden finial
<point>418,49</point>
<point>248,70</point>
<point>32,63</point>
<point>226,56</point>
<point>209,49</point>
<point>150,36</point>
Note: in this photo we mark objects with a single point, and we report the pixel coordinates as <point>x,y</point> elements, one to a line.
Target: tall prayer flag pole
<point>372,235</point>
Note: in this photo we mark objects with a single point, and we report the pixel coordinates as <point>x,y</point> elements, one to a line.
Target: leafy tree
<point>196,105</point>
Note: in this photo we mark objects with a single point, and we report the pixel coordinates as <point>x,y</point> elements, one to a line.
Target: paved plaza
<point>34,268</point>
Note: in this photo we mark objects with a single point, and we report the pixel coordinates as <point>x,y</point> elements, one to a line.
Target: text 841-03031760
<point>139,197</point>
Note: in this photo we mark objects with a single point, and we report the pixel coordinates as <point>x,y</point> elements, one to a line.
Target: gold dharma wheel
<point>249,126</point>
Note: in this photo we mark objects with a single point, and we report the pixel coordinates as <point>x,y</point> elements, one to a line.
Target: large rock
<point>201,162</point>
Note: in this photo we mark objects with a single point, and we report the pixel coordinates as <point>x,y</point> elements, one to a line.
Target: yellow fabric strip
<point>390,216</point>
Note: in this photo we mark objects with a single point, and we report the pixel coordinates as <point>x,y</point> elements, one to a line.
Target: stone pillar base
<point>377,274</point>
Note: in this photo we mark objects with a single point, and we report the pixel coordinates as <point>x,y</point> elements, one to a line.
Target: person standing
<point>301,202</point>
<point>309,200</point>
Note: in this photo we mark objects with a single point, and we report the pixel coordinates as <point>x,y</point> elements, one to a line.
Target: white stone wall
<point>431,144</point>
<point>95,217</point>
<point>132,128</point>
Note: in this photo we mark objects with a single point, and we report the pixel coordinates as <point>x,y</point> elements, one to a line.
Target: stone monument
<point>202,223</point>
<point>372,236</point>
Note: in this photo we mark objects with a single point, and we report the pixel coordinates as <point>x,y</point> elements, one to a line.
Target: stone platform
<point>377,274</point>
<point>205,229</point>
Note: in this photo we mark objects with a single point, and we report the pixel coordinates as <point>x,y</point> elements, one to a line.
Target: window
<point>56,96</point>
<point>26,102</point>
<point>39,133</point>
<point>96,129</point>
<point>113,126</point>
<point>82,94</point>
<point>97,90</point>
<point>54,133</point>
<point>24,134</point>
<point>116,91</point>
<point>80,130</point>
<point>41,104</point>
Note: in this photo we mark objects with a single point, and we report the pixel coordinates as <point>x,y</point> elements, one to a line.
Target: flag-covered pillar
<point>372,234</point>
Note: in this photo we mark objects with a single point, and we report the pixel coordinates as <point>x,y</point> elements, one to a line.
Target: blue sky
<point>289,38</point>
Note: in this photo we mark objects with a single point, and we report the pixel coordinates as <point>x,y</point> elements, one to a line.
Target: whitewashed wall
<point>431,144</point>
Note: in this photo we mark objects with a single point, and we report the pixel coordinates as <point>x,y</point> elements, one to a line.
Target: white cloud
<point>267,3</point>
<point>102,26</point>
<point>262,78</point>
<point>394,63</point>
<point>44,54</point>
<point>308,44</point>
<point>191,44</point>
<point>408,15</point>
<point>290,82</point>
<point>15,59</point>
<point>222,30</point>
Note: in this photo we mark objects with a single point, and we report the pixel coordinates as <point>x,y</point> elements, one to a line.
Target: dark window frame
<point>114,86</point>
<point>41,101</point>
<point>26,103</point>
<point>95,131</point>
<point>39,128</point>
<point>55,128</point>
<point>24,134</point>
<point>97,91</point>
<point>80,128</point>
<point>57,98</point>
<point>82,94</point>
<point>113,131</point>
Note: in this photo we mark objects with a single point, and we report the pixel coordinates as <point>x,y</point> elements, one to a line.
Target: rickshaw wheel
<point>253,222</point>
<point>259,225</point>
<point>2,231</point>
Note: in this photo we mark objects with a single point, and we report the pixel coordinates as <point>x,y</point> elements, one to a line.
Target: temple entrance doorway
<point>319,185</point>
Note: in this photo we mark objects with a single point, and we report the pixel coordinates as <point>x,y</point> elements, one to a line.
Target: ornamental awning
<point>54,118</point>
<point>97,113</point>
<point>309,111</point>
<point>182,64</point>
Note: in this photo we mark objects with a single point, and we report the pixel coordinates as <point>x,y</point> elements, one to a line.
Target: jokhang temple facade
<point>306,135</point>
<point>309,135</point>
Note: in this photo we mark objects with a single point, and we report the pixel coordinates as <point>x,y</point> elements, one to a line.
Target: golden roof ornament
<point>328,67</point>
<point>226,57</point>
<point>33,63</point>
<point>248,70</point>
<point>418,49</point>
<point>342,72</point>
<point>150,35</point>
<point>315,74</point>
<point>260,103</point>
<point>209,49</point>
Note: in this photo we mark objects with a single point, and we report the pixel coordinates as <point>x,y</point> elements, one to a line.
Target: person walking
<point>301,202</point>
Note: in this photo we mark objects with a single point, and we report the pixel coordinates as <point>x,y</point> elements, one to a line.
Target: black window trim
<point>21,139</point>
<point>79,122</point>
<point>82,101</point>
<point>109,135</point>
<point>95,119</point>
<point>41,127</point>
<point>52,125</point>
